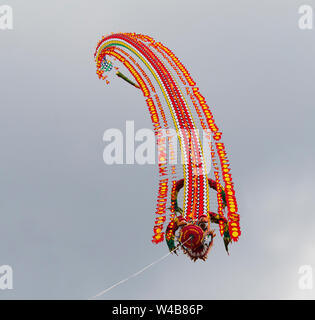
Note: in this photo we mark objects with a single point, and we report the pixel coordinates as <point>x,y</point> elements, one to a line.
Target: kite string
<point>138,272</point>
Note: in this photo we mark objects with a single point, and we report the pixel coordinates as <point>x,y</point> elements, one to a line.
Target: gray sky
<point>72,226</point>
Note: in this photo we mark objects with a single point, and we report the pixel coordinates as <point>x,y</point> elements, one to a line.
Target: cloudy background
<point>72,226</point>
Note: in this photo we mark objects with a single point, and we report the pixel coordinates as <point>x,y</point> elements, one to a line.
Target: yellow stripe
<point>111,43</point>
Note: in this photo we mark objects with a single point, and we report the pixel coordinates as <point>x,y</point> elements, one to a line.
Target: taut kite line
<point>172,97</point>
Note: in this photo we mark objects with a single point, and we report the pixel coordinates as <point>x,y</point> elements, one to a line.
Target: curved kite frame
<point>162,66</point>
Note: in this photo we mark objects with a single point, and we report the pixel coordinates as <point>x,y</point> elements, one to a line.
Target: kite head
<point>192,236</point>
<point>195,240</point>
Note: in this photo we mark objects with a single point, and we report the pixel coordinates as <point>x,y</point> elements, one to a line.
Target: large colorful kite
<point>174,101</point>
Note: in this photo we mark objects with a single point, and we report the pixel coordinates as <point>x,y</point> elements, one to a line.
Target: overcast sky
<point>72,226</point>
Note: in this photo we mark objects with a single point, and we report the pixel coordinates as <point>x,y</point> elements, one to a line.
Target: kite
<point>175,102</point>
